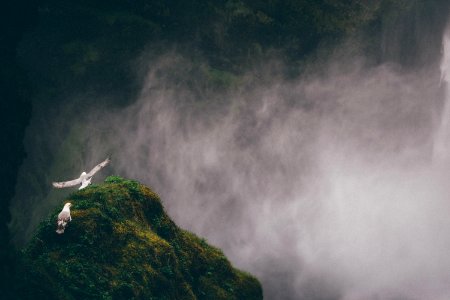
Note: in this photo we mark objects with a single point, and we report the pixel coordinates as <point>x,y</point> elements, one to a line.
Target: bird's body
<point>63,218</point>
<point>84,179</point>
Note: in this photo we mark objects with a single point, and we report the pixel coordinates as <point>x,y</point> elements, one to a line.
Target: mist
<point>327,186</point>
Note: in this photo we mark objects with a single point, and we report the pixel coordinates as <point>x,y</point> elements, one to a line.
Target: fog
<point>329,186</point>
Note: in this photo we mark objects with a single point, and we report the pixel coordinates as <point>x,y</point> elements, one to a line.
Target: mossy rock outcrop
<point>122,245</point>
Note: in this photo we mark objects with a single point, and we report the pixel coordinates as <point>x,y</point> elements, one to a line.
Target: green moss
<point>219,78</point>
<point>122,245</point>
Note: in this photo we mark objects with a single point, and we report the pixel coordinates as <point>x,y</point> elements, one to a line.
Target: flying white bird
<point>84,179</point>
<point>63,218</point>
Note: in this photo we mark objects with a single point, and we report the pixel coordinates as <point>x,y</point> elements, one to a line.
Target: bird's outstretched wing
<point>98,167</point>
<point>69,183</point>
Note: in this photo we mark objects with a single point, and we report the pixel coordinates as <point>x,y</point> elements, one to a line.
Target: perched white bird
<point>63,218</point>
<point>84,179</point>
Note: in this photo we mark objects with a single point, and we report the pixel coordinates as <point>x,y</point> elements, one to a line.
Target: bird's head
<point>83,174</point>
<point>68,204</point>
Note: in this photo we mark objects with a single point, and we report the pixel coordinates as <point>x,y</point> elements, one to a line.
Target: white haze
<point>321,187</point>
<point>324,187</point>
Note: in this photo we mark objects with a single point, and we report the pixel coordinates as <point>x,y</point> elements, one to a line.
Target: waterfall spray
<point>442,138</point>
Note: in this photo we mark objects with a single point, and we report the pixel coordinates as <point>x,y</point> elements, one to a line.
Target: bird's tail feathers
<point>61,227</point>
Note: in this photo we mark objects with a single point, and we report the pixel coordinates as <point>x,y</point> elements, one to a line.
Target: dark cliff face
<point>122,245</point>
<point>411,32</point>
<point>16,18</point>
<point>92,46</point>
